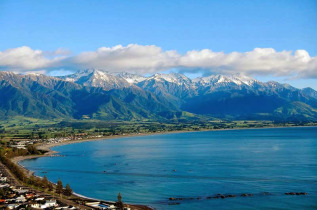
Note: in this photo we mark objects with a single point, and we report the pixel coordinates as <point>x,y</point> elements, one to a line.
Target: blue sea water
<point>150,169</point>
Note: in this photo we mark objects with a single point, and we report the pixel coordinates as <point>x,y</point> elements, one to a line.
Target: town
<point>14,195</point>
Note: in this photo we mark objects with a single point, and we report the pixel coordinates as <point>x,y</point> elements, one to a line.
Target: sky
<point>269,40</point>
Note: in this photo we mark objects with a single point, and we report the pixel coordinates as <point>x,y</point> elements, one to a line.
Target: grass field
<point>21,128</point>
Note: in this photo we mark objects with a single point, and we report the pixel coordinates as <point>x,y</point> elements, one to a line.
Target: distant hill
<point>98,94</point>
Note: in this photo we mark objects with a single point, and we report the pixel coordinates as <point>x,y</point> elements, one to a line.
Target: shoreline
<point>51,153</point>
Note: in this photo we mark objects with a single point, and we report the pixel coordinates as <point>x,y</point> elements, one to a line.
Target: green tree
<point>68,191</point>
<point>59,187</point>
<point>50,186</point>
<point>45,182</point>
<point>32,150</point>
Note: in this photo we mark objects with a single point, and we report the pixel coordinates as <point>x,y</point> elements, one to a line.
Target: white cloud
<point>135,58</point>
<point>26,59</point>
<point>260,61</point>
<point>151,58</point>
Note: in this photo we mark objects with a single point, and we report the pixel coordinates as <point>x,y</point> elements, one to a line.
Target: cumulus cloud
<point>151,58</point>
<point>260,61</point>
<point>135,58</point>
<point>26,59</point>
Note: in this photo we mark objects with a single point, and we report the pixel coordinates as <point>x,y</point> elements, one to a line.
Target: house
<point>20,199</point>
<point>36,206</point>
<point>3,179</point>
<point>111,207</point>
<point>4,185</point>
<point>21,191</point>
<point>30,195</point>
<point>51,203</point>
<point>13,206</point>
<point>11,195</point>
<point>66,207</point>
<point>93,204</point>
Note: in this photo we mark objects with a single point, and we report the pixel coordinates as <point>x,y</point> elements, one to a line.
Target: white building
<point>20,199</point>
<point>4,185</point>
<point>36,206</point>
<point>3,179</point>
<point>50,203</point>
<point>13,206</point>
<point>21,191</point>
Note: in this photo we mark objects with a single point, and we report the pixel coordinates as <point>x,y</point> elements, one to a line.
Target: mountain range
<point>98,94</point>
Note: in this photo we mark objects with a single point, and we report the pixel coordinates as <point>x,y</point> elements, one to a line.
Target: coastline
<point>51,153</point>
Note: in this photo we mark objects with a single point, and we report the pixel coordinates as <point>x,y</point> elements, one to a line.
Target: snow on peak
<point>179,79</point>
<point>97,78</point>
<point>237,79</point>
<point>131,78</point>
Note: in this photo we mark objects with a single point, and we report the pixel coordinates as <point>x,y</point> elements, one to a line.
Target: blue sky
<point>181,25</point>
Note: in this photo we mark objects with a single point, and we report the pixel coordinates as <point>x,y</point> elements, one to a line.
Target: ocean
<point>193,166</point>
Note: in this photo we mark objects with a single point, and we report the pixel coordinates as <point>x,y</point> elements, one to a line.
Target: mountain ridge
<point>126,96</point>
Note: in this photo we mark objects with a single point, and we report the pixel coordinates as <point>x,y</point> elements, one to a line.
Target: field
<point>22,128</point>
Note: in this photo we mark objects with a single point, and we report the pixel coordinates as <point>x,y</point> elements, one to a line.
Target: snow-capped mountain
<point>105,79</point>
<point>218,80</point>
<point>130,96</point>
<point>170,85</point>
<point>178,79</point>
<point>178,86</point>
<point>130,78</point>
<point>97,78</point>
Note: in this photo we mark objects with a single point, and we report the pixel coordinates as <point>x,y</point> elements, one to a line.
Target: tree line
<point>42,183</point>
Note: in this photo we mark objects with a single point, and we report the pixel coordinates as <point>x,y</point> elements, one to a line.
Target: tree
<point>32,150</point>
<point>2,193</point>
<point>45,182</point>
<point>68,191</point>
<point>50,187</point>
<point>119,203</point>
<point>59,187</point>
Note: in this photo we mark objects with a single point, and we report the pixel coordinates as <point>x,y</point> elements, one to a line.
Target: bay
<point>150,169</point>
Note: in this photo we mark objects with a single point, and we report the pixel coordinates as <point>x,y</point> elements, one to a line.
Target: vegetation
<point>29,128</point>
<point>14,130</point>
<point>59,187</point>
<point>40,183</point>
<point>119,203</point>
<point>45,182</point>
<point>68,191</point>
<point>154,99</point>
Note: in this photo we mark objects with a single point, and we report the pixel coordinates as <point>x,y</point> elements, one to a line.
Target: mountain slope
<point>97,78</point>
<point>123,96</point>
<point>310,92</point>
<point>41,96</point>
